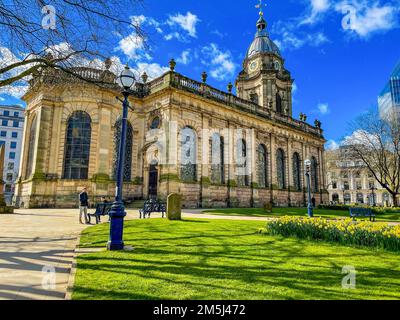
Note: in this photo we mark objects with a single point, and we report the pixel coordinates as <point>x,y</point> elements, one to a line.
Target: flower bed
<point>346,207</point>
<point>347,232</point>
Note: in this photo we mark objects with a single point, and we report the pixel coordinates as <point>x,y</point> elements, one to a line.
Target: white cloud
<point>186,22</point>
<point>153,70</point>
<point>221,62</point>
<point>132,46</point>
<point>331,145</point>
<point>361,137</point>
<point>323,108</point>
<point>316,8</point>
<point>185,57</point>
<point>364,18</point>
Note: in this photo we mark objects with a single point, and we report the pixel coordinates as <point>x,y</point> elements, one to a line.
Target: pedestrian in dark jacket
<point>83,206</point>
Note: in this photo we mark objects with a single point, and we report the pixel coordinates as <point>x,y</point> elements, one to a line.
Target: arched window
<point>296,172</point>
<point>335,198</point>
<point>77,146</point>
<point>262,165</point>
<point>278,103</point>
<point>128,150</point>
<point>280,168</point>
<point>217,159</point>
<point>360,198</point>
<point>241,163</point>
<point>31,148</point>
<point>188,155</point>
<point>314,174</point>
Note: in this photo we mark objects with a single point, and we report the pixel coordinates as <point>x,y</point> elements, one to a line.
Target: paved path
<point>31,240</point>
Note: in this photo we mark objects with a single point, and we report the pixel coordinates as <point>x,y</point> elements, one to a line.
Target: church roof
<point>262,43</point>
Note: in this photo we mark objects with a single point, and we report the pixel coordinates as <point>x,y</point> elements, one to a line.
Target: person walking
<point>83,205</point>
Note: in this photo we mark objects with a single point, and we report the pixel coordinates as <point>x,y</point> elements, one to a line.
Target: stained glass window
<point>280,167</point>
<point>77,146</point>
<point>217,159</point>
<point>262,165</point>
<point>241,163</point>
<point>296,172</point>
<point>188,155</point>
<point>128,150</point>
<point>314,174</point>
<point>31,146</point>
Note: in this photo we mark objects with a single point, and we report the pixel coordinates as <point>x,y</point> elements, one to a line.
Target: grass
<point>280,212</point>
<point>227,259</point>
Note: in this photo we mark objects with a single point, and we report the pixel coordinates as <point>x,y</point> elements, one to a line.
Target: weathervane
<point>260,6</point>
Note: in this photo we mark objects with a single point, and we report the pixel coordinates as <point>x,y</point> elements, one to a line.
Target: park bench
<point>102,209</point>
<point>362,212</point>
<point>151,206</point>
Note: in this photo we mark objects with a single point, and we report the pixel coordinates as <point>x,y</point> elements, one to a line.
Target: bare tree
<point>36,37</point>
<point>377,143</point>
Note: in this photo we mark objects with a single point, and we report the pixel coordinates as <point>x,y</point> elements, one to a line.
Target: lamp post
<point>373,195</point>
<point>343,190</point>
<point>117,212</point>
<point>307,166</point>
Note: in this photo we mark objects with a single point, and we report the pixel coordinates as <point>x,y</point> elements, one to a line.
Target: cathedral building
<point>214,148</point>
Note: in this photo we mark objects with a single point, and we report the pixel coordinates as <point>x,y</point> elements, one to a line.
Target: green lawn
<point>227,259</point>
<point>277,212</point>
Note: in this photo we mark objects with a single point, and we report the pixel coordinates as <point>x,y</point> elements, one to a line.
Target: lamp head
<point>307,164</point>
<point>126,79</point>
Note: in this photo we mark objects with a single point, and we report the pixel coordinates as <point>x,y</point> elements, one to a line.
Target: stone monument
<point>174,206</point>
<point>3,205</point>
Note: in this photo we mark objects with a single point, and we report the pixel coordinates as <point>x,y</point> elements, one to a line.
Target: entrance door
<point>153,181</point>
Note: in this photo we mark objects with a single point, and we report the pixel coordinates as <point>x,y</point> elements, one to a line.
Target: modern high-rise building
<point>389,99</point>
<point>11,133</point>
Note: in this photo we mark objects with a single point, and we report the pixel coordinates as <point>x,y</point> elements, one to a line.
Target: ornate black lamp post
<point>117,213</point>
<point>307,167</point>
<point>373,195</point>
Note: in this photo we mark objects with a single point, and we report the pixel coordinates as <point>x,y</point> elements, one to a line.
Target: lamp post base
<point>117,214</point>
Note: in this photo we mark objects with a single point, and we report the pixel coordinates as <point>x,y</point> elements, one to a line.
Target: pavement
<point>37,248</point>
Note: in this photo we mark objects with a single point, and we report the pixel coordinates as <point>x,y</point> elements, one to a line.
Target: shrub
<point>346,207</point>
<point>346,232</point>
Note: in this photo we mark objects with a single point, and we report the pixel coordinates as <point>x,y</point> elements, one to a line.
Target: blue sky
<point>340,53</point>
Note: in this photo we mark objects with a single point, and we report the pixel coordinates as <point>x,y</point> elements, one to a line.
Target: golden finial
<point>260,6</point>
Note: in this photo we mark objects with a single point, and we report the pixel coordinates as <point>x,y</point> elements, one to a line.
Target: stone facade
<point>174,122</point>
<point>350,181</point>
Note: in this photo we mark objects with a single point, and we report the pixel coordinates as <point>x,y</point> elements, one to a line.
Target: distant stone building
<point>350,181</point>
<point>11,132</point>
<point>215,148</point>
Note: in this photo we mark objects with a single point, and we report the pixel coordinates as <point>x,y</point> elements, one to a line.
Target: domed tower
<point>264,79</point>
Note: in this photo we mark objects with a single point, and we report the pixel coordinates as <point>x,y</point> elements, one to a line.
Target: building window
<point>13,145</point>
<point>8,188</point>
<point>296,172</point>
<point>9,177</point>
<point>254,98</point>
<point>16,114</point>
<point>346,185</point>
<point>188,155</point>
<point>15,124</point>
<point>3,133</point>
<point>278,103</point>
<point>335,198</point>
<point>6,113</point>
<point>217,159</point>
<point>77,146</point>
<point>358,185</point>
<point>128,150</point>
<point>360,198</point>
<point>314,174</point>
<point>31,146</point>
<point>280,167</point>
<point>4,123</point>
<point>14,135</point>
<point>262,165</point>
<point>155,123</point>
<point>11,155</point>
<point>241,163</point>
<point>2,143</point>
<point>10,166</point>
<point>347,198</point>
<point>334,185</point>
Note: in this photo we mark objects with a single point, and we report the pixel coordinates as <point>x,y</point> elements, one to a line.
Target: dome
<point>262,43</point>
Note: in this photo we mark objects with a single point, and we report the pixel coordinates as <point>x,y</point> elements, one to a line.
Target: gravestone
<point>174,206</point>
<point>3,205</point>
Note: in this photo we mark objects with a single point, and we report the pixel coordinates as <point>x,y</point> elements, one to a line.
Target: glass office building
<point>389,99</point>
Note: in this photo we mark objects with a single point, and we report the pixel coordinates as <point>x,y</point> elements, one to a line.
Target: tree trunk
<point>395,200</point>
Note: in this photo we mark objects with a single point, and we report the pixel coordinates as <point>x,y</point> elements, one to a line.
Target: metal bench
<point>102,209</point>
<point>151,206</point>
<point>362,212</point>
